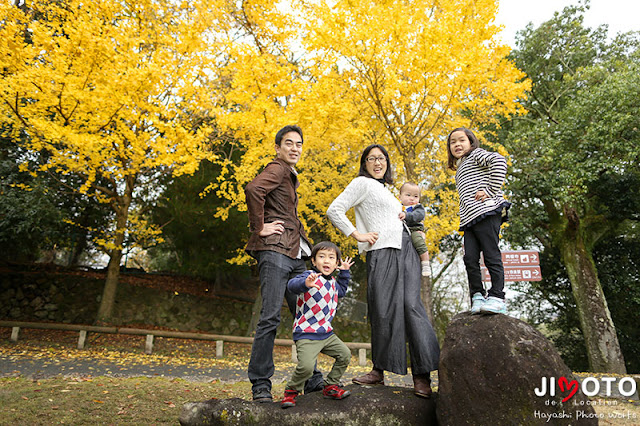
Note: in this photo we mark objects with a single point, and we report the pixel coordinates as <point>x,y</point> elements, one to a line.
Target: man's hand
<point>312,281</point>
<point>346,263</point>
<point>270,228</point>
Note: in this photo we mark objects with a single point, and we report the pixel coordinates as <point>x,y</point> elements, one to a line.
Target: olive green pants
<point>418,242</point>
<point>308,351</point>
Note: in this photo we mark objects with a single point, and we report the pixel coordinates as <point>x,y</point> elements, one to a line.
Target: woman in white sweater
<point>396,312</point>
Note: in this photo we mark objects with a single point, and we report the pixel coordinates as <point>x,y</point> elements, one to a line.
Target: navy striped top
<point>481,170</point>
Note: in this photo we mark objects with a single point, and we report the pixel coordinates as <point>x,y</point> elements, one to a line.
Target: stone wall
<point>74,297</point>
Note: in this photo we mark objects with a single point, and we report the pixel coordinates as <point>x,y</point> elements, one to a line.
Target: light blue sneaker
<point>494,305</point>
<point>477,301</point>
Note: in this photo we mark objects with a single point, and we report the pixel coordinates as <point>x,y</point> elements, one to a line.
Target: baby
<point>413,215</point>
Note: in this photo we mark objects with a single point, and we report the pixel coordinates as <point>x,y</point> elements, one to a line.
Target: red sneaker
<point>289,399</point>
<point>335,392</point>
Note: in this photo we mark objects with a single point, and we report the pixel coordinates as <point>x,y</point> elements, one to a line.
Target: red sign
<point>516,273</point>
<point>518,258</point>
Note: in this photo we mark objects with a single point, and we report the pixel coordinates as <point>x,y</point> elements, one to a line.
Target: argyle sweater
<point>315,308</point>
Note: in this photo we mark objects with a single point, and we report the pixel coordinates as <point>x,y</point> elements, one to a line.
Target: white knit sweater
<point>376,210</point>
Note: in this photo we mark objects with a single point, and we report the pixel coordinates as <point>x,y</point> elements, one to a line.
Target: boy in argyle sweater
<point>318,292</point>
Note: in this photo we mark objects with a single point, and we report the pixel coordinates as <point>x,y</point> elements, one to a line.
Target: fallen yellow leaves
<point>122,356</point>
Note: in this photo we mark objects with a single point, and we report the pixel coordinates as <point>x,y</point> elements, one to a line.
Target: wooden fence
<point>151,334</point>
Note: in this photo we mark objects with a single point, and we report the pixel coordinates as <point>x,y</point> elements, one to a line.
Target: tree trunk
<point>121,206</point>
<point>427,298</point>
<point>79,237</point>
<point>105,311</point>
<point>601,341</point>
<point>79,246</point>
<point>425,288</point>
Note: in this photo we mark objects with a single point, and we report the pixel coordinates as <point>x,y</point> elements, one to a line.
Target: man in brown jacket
<point>279,243</point>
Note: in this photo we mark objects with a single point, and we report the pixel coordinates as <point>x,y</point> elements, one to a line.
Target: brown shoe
<point>422,385</point>
<point>374,377</point>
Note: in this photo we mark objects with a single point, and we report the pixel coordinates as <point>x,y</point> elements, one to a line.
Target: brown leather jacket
<point>272,196</point>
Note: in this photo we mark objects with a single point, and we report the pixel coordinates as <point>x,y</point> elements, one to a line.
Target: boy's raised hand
<point>312,281</point>
<point>346,263</point>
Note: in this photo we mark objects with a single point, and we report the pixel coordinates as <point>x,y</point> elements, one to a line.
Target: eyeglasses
<point>382,160</point>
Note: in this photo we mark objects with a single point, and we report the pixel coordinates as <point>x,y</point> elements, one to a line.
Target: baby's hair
<point>410,184</point>
<point>473,141</point>
<point>326,245</point>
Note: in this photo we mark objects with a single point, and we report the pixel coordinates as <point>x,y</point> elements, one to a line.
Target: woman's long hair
<point>363,163</point>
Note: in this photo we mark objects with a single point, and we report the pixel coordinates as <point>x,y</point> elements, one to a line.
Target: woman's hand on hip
<point>369,237</point>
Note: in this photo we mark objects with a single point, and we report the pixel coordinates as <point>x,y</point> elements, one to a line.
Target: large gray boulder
<point>490,368</point>
<point>367,405</point>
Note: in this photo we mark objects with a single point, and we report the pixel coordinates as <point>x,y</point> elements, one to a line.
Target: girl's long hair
<point>473,140</point>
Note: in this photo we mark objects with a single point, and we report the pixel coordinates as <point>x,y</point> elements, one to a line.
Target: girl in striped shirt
<point>479,177</point>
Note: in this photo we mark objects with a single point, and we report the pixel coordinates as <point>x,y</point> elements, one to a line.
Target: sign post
<point>519,265</point>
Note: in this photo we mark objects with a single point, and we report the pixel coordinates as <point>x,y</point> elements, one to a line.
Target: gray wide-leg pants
<point>396,313</point>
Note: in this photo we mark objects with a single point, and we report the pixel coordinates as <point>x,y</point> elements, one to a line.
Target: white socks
<point>426,269</point>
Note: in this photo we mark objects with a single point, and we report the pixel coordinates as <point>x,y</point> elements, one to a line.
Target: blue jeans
<point>275,270</point>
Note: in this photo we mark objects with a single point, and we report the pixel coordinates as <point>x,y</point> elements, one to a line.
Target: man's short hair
<point>287,129</point>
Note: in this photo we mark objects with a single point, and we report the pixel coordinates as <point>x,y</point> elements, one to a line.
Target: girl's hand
<point>481,195</point>
<point>311,281</point>
<point>346,263</point>
<point>402,215</point>
<point>369,237</point>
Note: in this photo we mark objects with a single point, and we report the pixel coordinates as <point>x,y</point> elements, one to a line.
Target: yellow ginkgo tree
<point>269,85</point>
<point>110,92</point>
<point>417,69</point>
<point>399,73</point>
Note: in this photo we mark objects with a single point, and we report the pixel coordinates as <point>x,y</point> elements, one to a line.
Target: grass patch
<point>105,400</point>
<point>91,400</point>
